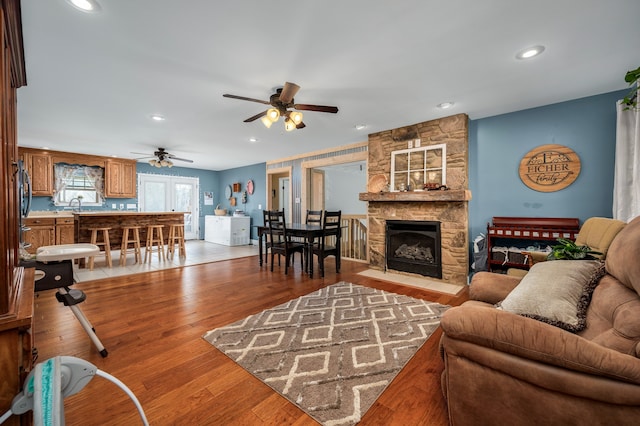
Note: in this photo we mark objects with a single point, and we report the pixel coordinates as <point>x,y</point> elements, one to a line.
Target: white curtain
<point>626,186</point>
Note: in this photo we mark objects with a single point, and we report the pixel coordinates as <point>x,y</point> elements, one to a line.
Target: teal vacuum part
<point>48,409</point>
<point>51,381</point>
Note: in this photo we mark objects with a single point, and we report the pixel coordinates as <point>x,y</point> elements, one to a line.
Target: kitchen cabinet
<point>120,178</point>
<point>40,167</point>
<point>41,232</point>
<point>227,230</point>
<point>47,231</point>
<point>64,230</point>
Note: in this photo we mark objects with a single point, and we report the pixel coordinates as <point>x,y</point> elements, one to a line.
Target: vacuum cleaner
<point>51,381</point>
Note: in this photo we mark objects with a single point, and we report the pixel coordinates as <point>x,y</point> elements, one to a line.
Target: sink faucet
<point>79,200</point>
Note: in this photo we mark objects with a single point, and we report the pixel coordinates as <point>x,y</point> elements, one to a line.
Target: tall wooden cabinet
<point>120,178</point>
<point>17,283</point>
<point>40,167</point>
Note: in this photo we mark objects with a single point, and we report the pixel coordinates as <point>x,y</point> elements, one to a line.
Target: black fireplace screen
<point>414,246</point>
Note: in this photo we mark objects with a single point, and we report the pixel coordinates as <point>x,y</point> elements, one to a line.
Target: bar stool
<point>155,238</point>
<point>126,240</point>
<point>176,236</point>
<point>104,243</point>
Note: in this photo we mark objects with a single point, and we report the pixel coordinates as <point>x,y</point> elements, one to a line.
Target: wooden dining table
<point>308,232</point>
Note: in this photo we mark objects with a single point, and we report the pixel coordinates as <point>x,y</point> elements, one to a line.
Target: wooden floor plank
<point>152,325</point>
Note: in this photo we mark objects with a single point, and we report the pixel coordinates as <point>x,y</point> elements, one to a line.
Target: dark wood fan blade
<point>301,125</point>
<point>288,92</point>
<point>242,98</point>
<point>180,159</point>
<point>321,108</point>
<point>255,117</point>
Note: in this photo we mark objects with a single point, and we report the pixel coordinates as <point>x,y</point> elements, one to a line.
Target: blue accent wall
<point>497,144</point>
<point>256,202</point>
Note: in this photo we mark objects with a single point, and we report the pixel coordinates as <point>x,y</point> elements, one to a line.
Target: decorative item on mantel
<point>435,187</point>
<point>378,183</point>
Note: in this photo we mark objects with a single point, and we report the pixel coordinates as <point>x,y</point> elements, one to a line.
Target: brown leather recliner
<point>506,369</point>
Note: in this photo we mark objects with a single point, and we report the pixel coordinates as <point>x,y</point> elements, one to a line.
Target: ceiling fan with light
<point>280,103</point>
<point>161,158</point>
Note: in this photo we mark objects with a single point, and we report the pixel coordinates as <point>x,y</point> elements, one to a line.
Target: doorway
<point>160,193</point>
<point>279,191</point>
<point>284,190</point>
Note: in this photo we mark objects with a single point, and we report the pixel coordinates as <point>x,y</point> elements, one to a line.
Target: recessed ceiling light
<point>90,6</point>
<point>529,52</point>
<point>157,117</point>
<point>253,140</point>
<point>445,105</point>
<point>360,126</point>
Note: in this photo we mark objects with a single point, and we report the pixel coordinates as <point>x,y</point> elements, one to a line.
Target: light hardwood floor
<point>152,325</point>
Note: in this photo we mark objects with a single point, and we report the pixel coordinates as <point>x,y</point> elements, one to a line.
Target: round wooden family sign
<point>549,168</point>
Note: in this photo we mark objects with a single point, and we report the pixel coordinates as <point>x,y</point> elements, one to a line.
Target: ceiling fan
<point>161,158</point>
<point>280,103</point>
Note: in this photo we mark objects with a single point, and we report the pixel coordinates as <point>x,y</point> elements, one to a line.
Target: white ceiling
<point>93,79</point>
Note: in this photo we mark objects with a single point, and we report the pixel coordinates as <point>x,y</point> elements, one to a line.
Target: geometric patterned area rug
<point>331,352</point>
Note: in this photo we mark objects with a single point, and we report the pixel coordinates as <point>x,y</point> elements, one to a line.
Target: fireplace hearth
<point>414,246</point>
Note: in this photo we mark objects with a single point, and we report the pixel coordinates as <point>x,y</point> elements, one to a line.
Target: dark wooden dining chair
<point>314,217</point>
<point>267,238</point>
<point>281,242</point>
<point>329,243</point>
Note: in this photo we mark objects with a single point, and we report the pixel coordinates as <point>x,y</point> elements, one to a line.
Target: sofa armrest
<point>491,287</point>
<point>537,341</point>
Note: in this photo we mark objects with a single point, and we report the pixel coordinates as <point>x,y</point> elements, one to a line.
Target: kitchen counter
<point>70,213</point>
<point>50,214</point>
<point>116,220</point>
<point>125,213</point>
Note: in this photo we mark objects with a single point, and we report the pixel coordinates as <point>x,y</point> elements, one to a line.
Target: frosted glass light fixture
<point>296,117</point>
<point>289,125</point>
<point>266,121</point>
<point>273,114</point>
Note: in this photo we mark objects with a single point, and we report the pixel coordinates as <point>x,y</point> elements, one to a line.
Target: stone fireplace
<point>414,246</point>
<point>448,207</point>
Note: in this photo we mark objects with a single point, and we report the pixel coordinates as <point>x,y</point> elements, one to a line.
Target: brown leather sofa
<point>507,369</point>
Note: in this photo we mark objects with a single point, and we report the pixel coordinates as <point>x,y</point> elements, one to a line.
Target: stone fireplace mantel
<point>417,196</point>
<point>448,207</point>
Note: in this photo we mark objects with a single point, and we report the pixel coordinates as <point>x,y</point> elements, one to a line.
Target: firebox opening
<point>414,246</point>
